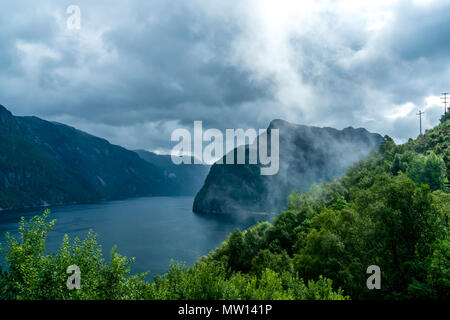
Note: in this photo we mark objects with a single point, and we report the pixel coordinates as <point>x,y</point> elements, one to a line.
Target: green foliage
<point>276,262</point>
<point>32,274</point>
<point>405,226</point>
<point>334,248</point>
<point>439,272</point>
<point>390,209</point>
<point>429,169</point>
<point>387,145</point>
<point>445,117</point>
<point>437,140</point>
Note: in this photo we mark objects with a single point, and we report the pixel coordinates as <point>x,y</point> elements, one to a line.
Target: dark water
<point>153,230</point>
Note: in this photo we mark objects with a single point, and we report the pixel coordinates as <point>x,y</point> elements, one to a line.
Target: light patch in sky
<point>401,111</point>
<point>136,69</point>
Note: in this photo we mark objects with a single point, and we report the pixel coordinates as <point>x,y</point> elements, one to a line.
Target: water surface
<point>153,230</point>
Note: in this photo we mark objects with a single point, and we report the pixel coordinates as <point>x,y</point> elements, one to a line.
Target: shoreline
<point>43,207</point>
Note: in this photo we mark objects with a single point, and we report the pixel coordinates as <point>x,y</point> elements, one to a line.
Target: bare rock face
<point>307,155</point>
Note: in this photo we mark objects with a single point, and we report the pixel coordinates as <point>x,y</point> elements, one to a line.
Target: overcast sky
<point>136,70</point>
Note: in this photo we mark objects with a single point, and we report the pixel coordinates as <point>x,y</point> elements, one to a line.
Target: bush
<point>32,274</point>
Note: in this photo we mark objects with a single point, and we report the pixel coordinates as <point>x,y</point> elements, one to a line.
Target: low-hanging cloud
<point>137,70</point>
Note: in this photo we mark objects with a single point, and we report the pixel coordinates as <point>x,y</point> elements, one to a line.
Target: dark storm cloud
<point>174,64</point>
<point>137,70</point>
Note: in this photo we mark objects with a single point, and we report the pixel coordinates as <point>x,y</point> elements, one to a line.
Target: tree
<point>429,169</point>
<point>32,274</point>
<point>406,224</point>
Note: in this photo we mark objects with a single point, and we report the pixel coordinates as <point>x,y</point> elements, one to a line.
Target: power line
<point>420,113</point>
<point>445,101</point>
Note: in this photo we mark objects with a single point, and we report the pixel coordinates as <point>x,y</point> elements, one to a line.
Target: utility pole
<point>445,101</point>
<point>420,113</point>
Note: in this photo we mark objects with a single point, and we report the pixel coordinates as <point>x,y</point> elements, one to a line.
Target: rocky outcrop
<point>307,155</point>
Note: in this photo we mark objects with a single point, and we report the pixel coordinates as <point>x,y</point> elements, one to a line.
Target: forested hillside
<point>48,163</point>
<point>390,209</point>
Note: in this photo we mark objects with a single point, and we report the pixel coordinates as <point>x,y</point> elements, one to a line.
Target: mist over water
<point>153,230</point>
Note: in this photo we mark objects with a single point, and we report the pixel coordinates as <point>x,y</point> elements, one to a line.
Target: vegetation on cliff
<point>391,209</point>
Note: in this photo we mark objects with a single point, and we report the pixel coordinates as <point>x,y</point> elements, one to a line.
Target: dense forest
<point>390,209</point>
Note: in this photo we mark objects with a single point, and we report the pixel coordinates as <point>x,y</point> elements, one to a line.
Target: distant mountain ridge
<point>49,163</point>
<point>188,178</point>
<point>307,155</point>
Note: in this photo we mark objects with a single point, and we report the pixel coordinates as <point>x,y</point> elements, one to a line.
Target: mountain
<point>48,163</point>
<point>188,179</point>
<point>307,155</point>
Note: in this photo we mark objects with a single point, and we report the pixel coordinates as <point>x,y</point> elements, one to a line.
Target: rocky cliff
<point>307,155</point>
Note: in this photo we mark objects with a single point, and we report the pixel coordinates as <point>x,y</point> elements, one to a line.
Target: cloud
<point>136,70</point>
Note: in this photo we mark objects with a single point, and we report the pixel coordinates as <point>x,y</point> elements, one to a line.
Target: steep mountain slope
<point>437,140</point>
<point>187,179</point>
<point>307,155</point>
<point>390,207</point>
<point>30,176</point>
<point>45,163</point>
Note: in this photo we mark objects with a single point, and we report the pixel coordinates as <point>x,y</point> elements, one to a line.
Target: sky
<point>137,70</point>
